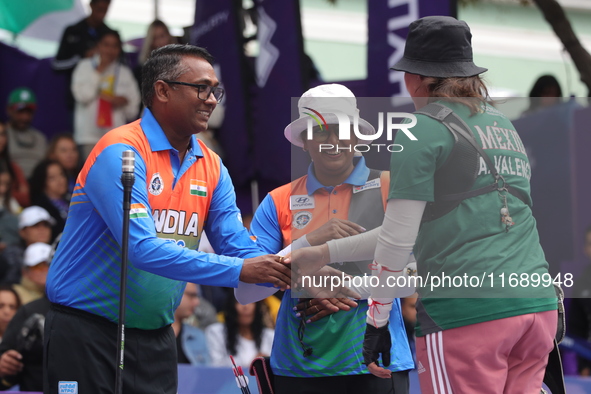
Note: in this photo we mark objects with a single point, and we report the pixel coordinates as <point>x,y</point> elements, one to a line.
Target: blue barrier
<point>204,380</point>
<point>209,380</point>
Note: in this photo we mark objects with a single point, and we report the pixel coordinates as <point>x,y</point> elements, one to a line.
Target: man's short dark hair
<point>165,64</point>
<point>98,1</point>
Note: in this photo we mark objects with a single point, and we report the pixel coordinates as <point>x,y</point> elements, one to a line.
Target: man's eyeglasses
<point>203,91</point>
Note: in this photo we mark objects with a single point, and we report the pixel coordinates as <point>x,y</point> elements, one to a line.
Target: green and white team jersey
<point>484,272</point>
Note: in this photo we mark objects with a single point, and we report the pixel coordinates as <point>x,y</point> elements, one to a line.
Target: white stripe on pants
<point>437,368</point>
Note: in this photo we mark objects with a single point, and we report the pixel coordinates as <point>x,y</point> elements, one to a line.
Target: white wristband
<point>299,243</point>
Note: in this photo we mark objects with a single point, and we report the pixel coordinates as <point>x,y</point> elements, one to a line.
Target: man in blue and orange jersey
<point>181,188</point>
<point>339,197</point>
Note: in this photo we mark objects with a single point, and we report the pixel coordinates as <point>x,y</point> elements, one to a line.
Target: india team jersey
<point>293,210</point>
<point>171,203</point>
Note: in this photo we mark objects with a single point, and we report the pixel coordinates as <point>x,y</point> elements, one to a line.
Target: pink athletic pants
<point>504,356</point>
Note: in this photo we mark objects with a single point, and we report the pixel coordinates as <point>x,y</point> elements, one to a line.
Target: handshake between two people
<point>286,272</point>
<point>321,287</point>
<point>324,284</point>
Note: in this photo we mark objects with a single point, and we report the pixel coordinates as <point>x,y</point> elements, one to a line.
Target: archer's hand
<point>266,269</point>
<point>377,341</point>
<point>322,307</point>
<point>333,229</point>
<point>307,261</point>
<point>327,282</point>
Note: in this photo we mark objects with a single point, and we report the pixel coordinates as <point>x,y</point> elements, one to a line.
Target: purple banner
<point>387,29</point>
<point>548,138</point>
<point>278,72</point>
<point>580,160</point>
<point>217,29</point>
<point>19,69</point>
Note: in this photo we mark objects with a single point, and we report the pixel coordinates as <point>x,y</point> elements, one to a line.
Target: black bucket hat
<point>439,46</point>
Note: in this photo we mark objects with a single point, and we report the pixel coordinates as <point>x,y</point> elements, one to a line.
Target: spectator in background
<point>79,41</point>
<point>19,186</point>
<point>191,344</point>
<point>157,36</point>
<point>10,302</point>
<point>21,351</point>
<point>21,356</point>
<point>62,148</point>
<point>205,313</point>
<point>546,92</point>
<point>106,93</point>
<point>9,208</point>
<point>26,144</point>
<point>242,335</point>
<point>35,267</point>
<point>49,188</point>
<point>34,225</point>
<point>579,312</point>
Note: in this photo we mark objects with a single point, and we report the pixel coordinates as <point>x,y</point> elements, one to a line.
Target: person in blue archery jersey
<point>317,347</point>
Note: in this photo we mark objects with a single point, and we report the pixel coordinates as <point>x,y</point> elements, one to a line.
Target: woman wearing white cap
<point>35,267</point>
<point>316,349</point>
<point>467,218</point>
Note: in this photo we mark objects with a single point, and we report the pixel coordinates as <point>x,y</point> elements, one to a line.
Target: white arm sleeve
<point>399,232</point>
<point>356,248</point>
<point>301,242</point>
<point>403,218</point>
<point>395,243</point>
<point>389,247</point>
<point>247,293</point>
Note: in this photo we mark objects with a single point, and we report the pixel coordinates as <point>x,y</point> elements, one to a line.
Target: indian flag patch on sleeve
<point>138,211</point>
<point>198,188</point>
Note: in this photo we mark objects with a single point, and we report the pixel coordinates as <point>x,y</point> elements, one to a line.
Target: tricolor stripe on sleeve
<point>138,211</point>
